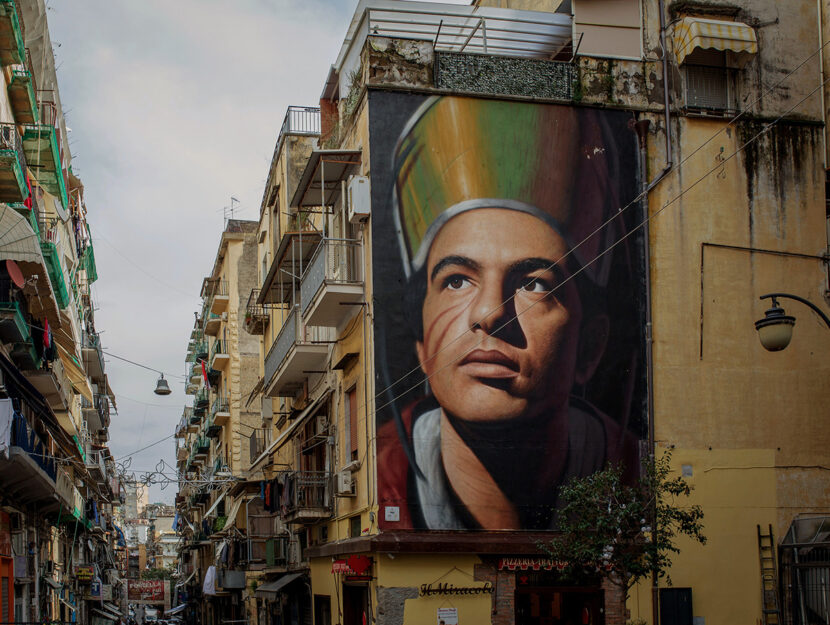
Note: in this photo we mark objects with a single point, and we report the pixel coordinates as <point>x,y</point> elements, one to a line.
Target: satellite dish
<point>15,274</point>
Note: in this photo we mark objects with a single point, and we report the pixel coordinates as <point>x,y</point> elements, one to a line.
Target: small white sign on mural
<point>447,616</point>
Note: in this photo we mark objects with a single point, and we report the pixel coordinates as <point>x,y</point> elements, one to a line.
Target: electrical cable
<point>615,215</point>
<point>639,226</point>
<point>636,228</point>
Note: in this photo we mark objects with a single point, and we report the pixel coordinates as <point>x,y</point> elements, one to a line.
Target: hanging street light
<point>776,328</point>
<point>161,386</point>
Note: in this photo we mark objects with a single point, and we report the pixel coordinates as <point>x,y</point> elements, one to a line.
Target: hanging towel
<point>6,415</point>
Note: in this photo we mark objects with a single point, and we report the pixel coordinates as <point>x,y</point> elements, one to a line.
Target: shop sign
<point>94,590</point>
<point>145,590</point>
<point>447,616</point>
<point>530,564</point>
<point>355,568</point>
<point>5,535</point>
<point>451,589</point>
<point>84,573</point>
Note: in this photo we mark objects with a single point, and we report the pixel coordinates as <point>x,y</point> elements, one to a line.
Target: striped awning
<point>697,32</point>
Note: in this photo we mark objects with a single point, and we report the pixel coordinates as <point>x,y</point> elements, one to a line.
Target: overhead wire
<point>608,249</point>
<point>639,197</point>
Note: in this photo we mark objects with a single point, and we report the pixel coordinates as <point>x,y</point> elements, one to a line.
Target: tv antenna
<point>230,210</point>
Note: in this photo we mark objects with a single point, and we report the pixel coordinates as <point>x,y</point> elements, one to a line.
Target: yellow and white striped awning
<point>698,32</point>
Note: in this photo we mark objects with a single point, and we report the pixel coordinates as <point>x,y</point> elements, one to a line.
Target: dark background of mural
<point>618,386</point>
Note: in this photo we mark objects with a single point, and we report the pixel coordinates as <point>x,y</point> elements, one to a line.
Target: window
<point>708,82</point>
<point>351,423</point>
<point>354,527</point>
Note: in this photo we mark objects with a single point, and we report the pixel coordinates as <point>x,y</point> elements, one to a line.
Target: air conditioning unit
<point>343,484</point>
<point>359,200</point>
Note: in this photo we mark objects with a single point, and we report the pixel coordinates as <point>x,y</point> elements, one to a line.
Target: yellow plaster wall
<point>409,571</point>
<point>751,424</point>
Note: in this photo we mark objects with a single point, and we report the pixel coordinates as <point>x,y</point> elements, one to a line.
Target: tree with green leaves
<point>160,573</point>
<point>622,531</point>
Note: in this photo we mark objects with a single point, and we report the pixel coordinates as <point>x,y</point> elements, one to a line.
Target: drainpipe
<point>642,127</point>
<point>666,105</point>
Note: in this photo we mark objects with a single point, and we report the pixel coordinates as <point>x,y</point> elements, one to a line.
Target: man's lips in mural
<point>489,363</point>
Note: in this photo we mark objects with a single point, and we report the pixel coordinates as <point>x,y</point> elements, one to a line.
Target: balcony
<point>220,411</point>
<point>211,324</point>
<point>291,258</point>
<point>96,465</point>
<point>182,452</point>
<point>12,166</point>
<point>53,384</point>
<point>256,317</point>
<point>93,357</point>
<point>298,351</point>
<point>259,440</point>
<point>219,356</point>
<point>13,327</point>
<point>40,144</point>
<point>200,403</point>
<point>332,288</point>
<point>30,472</point>
<point>309,496</point>
<point>12,51</point>
<point>215,293</point>
<point>96,414</point>
<point>212,429</point>
<point>53,267</point>
<point>22,89</point>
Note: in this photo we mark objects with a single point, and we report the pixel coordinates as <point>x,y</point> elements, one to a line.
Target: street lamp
<point>776,328</point>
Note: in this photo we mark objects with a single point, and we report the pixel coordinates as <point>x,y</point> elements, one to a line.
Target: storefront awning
<point>177,610</point>
<point>270,590</point>
<point>691,33</point>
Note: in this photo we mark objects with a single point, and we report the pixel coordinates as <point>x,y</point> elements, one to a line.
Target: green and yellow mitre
<point>458,154</point>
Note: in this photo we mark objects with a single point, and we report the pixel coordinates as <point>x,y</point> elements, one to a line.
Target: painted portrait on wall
<point>508,306</point>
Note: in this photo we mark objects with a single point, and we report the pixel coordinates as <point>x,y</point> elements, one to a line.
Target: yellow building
<point>213,439</point>
<point>518,241</point>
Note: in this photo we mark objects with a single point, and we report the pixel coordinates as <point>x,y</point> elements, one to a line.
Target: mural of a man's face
<point>497,344</point>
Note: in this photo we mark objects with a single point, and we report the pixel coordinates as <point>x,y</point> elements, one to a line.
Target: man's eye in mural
<point>536,285</point>
<point>457,282</point>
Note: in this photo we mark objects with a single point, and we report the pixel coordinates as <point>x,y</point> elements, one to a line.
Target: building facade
<point>518,241</point>
<point>61,555</point>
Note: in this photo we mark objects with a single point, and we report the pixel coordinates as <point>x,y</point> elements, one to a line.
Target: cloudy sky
<point>175,106</point>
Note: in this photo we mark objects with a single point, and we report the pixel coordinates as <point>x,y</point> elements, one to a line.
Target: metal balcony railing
<point>24,436</point>
<point>294,332</point>
<point>301,120</point>
<point>336,261</point>
<point>218,347</point>
<point>256,317</point>
<point>220,404</point>
<point>211,287</point>
<point>259,441</point>
<point>306,491</point>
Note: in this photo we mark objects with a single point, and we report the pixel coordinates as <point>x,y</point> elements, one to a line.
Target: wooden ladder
<point>769,578</point>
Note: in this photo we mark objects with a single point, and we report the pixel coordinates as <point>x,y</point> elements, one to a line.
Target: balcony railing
<point>13,186</point>
<point>211,323</point>
<point>332,282</point>
<point>12,50</point>
<point>24,436</point>
<point>219,356</point>
<point>301,120</point>
<point>259,441</point>
<point>309,495</point>
<point>215,294</point>
<point>256,317</point>
<point>296,336</point>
